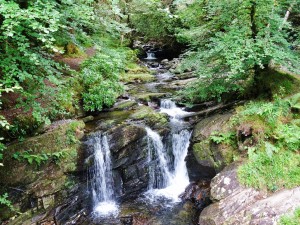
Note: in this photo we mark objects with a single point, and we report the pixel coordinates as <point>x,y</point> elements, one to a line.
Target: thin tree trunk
<point>287,15</point>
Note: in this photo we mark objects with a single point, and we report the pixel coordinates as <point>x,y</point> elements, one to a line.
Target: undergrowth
<point>272,147</point>
<point>291,220</point>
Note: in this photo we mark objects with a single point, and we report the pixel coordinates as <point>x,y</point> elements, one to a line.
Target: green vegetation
<point>226,138</point>
<point>152,19</point>
<point>38,159</point>
<point>5,202</point>
<point>232,42</point>
<point>272,144</point>
<point>291,220</point>
<point>63,59</point>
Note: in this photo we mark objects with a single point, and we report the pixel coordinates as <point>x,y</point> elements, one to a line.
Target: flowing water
<point>101,180</point>
<point>168,176</point>
<point>150,56</point>
<point>159,174</point>
<point>169,183</point>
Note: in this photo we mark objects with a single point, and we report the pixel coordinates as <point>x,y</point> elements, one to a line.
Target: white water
<point>160,175</point>
<point>150,56</point>
<point>169,107</point>
<point>101,178</point>
<point>177,180</point>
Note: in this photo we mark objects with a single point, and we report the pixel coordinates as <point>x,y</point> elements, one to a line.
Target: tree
<point>234,41</point>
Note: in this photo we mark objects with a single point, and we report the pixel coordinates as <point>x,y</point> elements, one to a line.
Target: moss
<point>150,116</point>
<point>202,152</point>
<point>137,77</point>
<point>135,68</point>
<point>125,105</point>
<point>147,97</point>
<point>62,139</point>
<point>273,82</point>
<point>72,50</point>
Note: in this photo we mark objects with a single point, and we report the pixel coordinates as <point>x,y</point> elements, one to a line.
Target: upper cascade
<point>169,107</point>
<point>150,56</point>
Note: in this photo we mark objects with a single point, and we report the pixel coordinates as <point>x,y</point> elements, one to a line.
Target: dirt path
<point>74,62</point>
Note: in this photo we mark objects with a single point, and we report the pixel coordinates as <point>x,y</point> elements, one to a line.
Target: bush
<point>100,77</point>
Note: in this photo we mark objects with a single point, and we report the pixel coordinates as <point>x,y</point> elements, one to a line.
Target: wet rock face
<point>235,204</point>
<point>129,155</point>
<point>198,193</point>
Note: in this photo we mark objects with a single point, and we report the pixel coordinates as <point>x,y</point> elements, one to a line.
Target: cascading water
<point>150,56</point>
<point>175,181</point>
<point>160,175</point>
<point>101,177</point>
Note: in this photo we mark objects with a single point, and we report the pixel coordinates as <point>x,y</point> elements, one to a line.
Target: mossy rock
<point>207,152</point>
<point>72,49</point>
<point>135,68</point>
<point>63,139</point>
<point>125,105</point>
<point>147,97</point>
<point>137,78</point>
<point>150,117</point>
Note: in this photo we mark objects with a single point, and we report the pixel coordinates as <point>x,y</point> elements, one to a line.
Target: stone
<point>150,117</point>
<point>121,136</point>
<point>236,204</point>
<point>205,158</point>
<point>137,78</point>
<point>147,97</point>
<point>35,185</point>
<point>88,119</point>
<point>125,105</point>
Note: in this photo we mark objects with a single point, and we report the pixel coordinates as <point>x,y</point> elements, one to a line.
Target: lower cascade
<point>101,180</point>
<point>169,179</point>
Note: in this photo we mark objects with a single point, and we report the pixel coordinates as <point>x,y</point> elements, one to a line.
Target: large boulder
<point>37,170</point>
<point>236,204</point>
<point>205,158</point>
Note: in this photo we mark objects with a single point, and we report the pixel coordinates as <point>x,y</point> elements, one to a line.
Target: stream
<point>136,167</point>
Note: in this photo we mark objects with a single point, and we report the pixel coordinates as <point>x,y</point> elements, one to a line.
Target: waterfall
<point>101,176</point>
<point>175,181</point>
<point>150,56</point>
<point>159,173</point>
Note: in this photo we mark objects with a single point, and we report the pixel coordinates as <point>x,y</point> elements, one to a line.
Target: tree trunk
<point>287,14</point>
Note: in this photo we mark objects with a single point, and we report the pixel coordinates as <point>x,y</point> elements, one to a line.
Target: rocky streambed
<point>144,161</point>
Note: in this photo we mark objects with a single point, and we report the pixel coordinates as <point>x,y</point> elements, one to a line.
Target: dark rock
<point>121,136</point>
<point>198,193</point>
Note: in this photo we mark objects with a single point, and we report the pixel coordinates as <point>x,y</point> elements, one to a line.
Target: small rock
<point>88,119</point>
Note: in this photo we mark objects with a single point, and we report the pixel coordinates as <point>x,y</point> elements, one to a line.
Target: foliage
<point>151,19</point>
<point>232,42</point>
<point>273,171</point>
<point>273,153</point>
<point>4,201</point>
<point>39,159</point>
<point>219,138</point>
<point>26,43</point>
<point>291,220</point>
<point>32,32</point>
<point>100,76</point>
